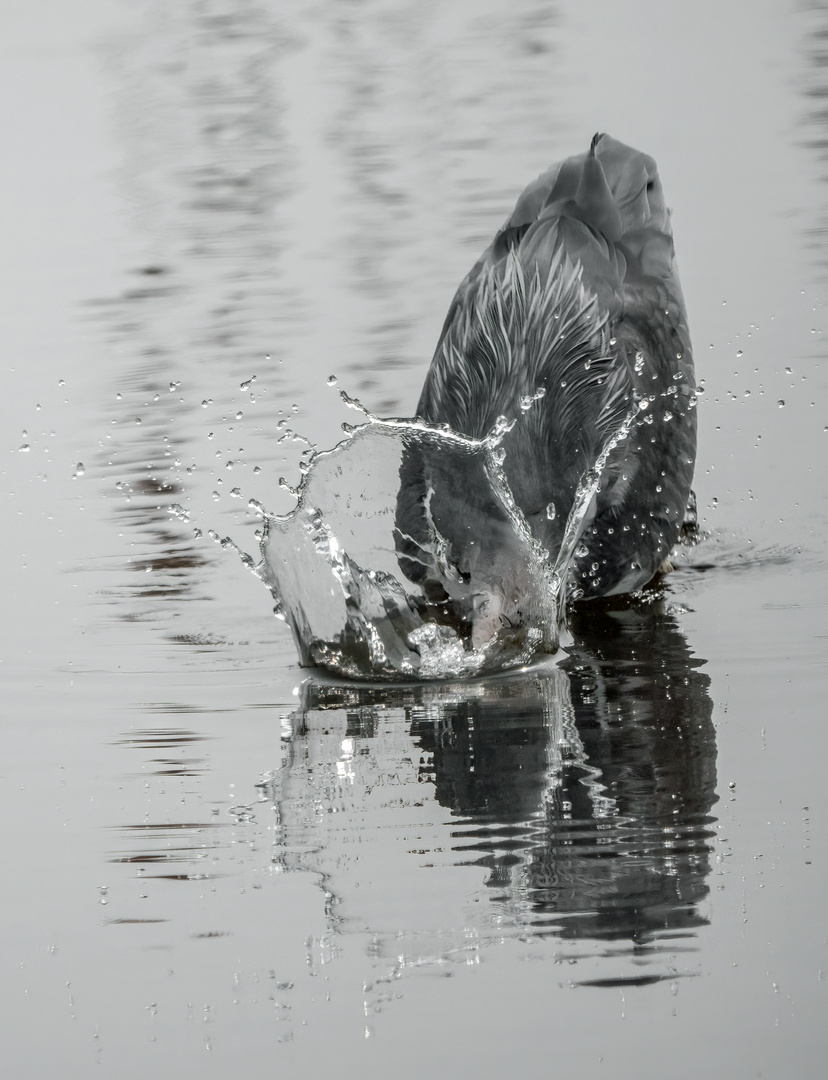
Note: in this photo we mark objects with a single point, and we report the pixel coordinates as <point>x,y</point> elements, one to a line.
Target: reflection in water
<point>584,792</point>
<point>156,846</point>
<point>204,173</point>
<point>814,86</point>
<point>169,742</point>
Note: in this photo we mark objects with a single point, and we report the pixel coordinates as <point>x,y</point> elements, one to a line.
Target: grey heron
<point>572,316</point>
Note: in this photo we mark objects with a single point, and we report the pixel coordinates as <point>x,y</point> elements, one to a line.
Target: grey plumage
<point>577,299</point>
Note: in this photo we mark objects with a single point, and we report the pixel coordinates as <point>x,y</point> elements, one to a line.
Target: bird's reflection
<point>584,791</point>
<point>590,800</point>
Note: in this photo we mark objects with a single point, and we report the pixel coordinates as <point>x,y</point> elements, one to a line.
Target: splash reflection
<point>582,792</point>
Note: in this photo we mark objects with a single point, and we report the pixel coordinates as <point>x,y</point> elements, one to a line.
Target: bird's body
<point>575,304</point>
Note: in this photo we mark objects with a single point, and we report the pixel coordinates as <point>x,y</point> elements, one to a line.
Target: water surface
<point>216,859</point>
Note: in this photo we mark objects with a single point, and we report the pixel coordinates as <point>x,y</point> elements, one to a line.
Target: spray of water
<point>333,567</point>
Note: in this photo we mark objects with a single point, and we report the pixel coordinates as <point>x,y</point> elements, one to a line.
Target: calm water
<point>216,861</point>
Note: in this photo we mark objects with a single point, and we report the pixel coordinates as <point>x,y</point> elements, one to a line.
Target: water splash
<point>334,565</point>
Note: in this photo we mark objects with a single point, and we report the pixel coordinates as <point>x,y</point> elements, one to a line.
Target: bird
<point>571,323</point>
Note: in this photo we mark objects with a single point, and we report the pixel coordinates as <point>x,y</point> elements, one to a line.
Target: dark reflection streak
<point>585,792</point>
<point>133,922</point>
<point>170,826</point>
<point>614,984</point>
<point>623,843</point>
<point>159,738</point>
<point>814,90</point>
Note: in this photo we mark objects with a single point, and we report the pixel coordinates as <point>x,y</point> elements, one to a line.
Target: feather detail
<point>575,304</point>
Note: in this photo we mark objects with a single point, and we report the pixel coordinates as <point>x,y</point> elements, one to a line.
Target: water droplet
<point>781,403</point>
<point>294,408</point>
<point>332,380</point>
<point>581,551</point>
<point>239,414</point>
<point>500,427</point>
<point>216,496</point>
<point>247,383</point>
<point>80,469</point>
<point>551,511</point>
<point>739,352</point>
<point>668,416</point>
<point>236,494</point>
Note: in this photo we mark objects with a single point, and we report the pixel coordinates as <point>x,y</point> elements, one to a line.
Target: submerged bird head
<point>461,537</point>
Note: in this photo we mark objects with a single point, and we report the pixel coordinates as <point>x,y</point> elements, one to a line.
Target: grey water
<point>216,215</point>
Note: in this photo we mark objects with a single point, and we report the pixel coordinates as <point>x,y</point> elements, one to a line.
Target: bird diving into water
<point>571,318</point>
